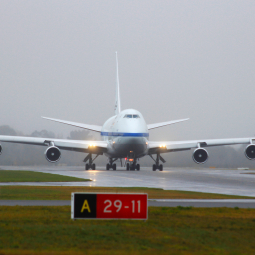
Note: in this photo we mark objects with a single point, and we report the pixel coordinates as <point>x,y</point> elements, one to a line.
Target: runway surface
<point>241,203</point>
<point>231,182</point>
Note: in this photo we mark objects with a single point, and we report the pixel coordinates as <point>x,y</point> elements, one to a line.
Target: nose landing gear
<point>133,166</point>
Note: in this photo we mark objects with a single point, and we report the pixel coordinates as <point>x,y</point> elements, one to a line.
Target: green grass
<point>181,230</point>
<point>30,176</point>
<point>64,193</point>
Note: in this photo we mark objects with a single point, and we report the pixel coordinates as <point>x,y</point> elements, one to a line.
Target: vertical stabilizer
<point>117,98</point>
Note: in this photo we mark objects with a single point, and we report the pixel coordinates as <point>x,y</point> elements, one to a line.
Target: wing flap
<point>66,144</point>
<point>169,146</point>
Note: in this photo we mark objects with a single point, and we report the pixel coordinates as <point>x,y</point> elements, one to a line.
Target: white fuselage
<point>127,135</point>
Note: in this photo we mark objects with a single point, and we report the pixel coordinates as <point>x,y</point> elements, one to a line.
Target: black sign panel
<point>85,205</point>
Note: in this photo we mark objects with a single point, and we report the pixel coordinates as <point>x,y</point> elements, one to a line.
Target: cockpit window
<point>135,116</point>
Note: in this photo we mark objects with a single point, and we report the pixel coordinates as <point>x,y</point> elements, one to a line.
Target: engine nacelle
<point>200,155</point>
<point>250,151</point>
<point>1,149</point>
<point>52,154</point>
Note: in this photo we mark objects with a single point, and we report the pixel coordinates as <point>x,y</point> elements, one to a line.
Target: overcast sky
<point>177,59</point>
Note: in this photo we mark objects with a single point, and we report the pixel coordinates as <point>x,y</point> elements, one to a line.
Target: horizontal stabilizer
<point>162,124</point>
<point>75,124</point>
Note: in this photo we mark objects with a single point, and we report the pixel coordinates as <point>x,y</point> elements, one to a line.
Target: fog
<point>22,154</point>
<point>177,59</point>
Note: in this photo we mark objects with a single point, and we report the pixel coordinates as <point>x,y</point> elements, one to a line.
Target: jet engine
<point>200,155</point>
<point>250,151</point>
<point>52,154</point>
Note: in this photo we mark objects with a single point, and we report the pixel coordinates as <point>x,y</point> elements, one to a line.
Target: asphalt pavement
<point>222,181</point>
<point>241,203</point>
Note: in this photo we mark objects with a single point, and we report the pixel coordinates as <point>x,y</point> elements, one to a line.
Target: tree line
<point>22,154</point>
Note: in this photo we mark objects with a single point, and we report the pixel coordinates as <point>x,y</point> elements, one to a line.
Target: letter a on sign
<point>85,206</point>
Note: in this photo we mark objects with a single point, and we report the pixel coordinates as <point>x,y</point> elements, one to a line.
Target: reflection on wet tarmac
<point>230,182</point>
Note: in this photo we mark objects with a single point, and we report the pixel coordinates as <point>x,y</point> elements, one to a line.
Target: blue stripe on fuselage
<point>124,134</point>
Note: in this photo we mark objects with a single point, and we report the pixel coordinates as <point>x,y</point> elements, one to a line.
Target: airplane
<point>126,136</point>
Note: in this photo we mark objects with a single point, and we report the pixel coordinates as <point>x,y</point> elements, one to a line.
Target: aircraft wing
<point>163,147</point>
<point>162,124</point>
<point>95,147</point>
<point>76,124</point>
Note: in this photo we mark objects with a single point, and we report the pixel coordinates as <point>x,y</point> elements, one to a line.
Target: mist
<point>177,59</point>
<point>27,155</point>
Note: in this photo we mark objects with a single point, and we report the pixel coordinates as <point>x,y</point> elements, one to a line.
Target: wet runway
<point>241,203</point>
<point>231,182</point>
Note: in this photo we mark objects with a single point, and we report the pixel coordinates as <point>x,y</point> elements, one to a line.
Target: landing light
<point>162,146</point>
<point>92,145</point>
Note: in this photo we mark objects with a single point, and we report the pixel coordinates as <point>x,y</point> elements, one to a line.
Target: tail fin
<point>117,99</point>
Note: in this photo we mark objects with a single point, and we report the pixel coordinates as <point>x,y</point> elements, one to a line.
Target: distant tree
<point>81,135</point>
<point>43,133</point>
<point>7,130</point>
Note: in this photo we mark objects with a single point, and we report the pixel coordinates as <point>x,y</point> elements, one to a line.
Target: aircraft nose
<point>131,140</point>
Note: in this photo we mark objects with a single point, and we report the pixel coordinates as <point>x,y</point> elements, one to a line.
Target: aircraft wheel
<point>154,167</point>
<point>93,166</point>
<point>138,167</point>
<point>87,167</point>
<point>160,167</point>
<point>127,166</point>
<point>114,166</point>
<point>107,166</point>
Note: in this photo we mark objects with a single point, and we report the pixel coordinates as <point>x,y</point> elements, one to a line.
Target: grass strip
<point>180,230</point>
<point>30,176</point>
<point>64,193</point>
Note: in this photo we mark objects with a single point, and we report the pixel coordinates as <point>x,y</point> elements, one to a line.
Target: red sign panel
<point>109,206</point>
<point>122,206</point>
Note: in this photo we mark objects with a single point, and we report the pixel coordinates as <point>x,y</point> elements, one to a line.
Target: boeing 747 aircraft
<point>126,136</point>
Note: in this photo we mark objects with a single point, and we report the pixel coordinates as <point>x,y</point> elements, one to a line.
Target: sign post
<point>109,206</point>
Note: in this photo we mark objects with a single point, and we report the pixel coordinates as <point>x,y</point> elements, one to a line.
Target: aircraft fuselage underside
<point>127,147</point>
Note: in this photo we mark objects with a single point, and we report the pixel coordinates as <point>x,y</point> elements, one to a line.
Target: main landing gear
<point>157,165</point>
<point>133,167</point>
<point>90,165</point>
<point>110,165</point>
